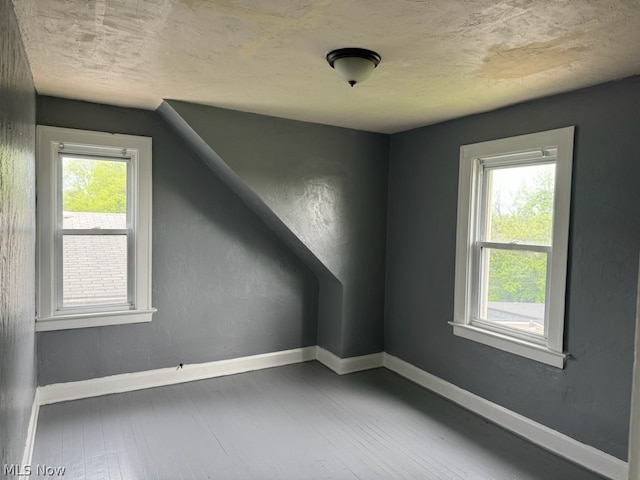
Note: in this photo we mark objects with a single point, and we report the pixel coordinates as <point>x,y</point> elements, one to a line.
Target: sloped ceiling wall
<point>224,284</point>
<point>327,188</point>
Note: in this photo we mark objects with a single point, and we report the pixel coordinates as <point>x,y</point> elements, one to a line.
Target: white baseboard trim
<point>31,429</point>
<point>545,437</point>
<point>342,366</point>
<point>127,382</point>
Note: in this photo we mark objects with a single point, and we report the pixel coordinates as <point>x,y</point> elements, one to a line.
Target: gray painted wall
<point>17,239</point>
<point>225,286</point>
<point>590,399</point>
<point>634,433</point>
<point>328,186</point>
<point>330,289</point>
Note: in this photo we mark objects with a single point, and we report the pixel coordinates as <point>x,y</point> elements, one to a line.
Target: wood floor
<point>296,422</point>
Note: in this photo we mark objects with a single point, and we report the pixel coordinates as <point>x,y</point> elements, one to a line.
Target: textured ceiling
<point>441,59</point>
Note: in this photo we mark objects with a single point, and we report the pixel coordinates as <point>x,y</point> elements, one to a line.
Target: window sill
<point>85,320</point>
<point>523,348</point>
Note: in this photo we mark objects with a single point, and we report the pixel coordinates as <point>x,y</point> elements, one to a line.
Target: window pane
<point>514,289</point>
<point>94,193</point>
<point>94,270</point>
<point>520,204</point>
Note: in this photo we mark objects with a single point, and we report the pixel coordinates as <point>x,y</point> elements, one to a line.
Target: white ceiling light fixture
<point>354,65</point>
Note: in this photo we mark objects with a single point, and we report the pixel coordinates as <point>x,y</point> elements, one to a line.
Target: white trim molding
<point>545,437</point>
<point>84,320</point>
<point>634,421</point>
<point>478,163</point>
<point>533,351</point>
<point>343,366</point>
<point>31,429</point>
<point>54,144</point>
<point>127,382</point>
<point>558,443</point>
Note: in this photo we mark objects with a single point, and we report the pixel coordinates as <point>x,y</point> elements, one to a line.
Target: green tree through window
<point>521,276</point>
<point>94,185</point>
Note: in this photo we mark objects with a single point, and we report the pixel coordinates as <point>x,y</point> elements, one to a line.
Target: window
<point>512,240</point>
<point>94,229</point>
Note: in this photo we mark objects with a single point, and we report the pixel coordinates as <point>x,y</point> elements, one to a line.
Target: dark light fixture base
<point>370,55</point>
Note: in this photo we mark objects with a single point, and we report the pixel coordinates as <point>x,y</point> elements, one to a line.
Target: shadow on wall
<point>322,190</point>
<point>17,239</point>
<point>224,284</point>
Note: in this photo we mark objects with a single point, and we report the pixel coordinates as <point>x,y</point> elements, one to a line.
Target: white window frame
<point>51,141</point>
<point>549,349</point>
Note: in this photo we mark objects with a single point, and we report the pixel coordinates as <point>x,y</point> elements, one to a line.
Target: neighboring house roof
<point>94,266</point>
<point>520,315</point>
<point>517,311</point>
<point>94,220</point>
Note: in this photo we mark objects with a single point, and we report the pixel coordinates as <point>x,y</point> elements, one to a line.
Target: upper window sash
<point>485,165</point>
<point>525,247</point>
<point>528,156</point>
